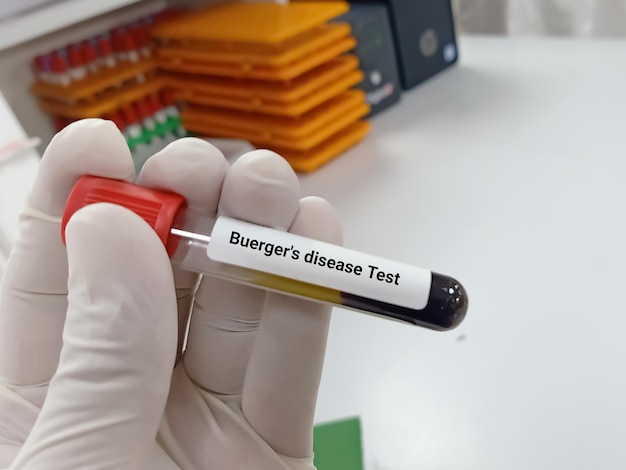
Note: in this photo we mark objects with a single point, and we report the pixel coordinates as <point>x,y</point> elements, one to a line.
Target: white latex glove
<point>89,376</point>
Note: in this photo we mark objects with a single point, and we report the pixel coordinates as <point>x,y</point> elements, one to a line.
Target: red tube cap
<point>131,116</point>
<point>75,55</point>
<point>58,64</point>
<point>105,46</point>
<point>157,207</point>
<point>145,108</point>
<point>90,54</point>
<point>128,42</point>
<point>39,63</point>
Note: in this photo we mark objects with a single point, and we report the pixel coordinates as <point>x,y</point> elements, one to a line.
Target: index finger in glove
<point>33,293</point>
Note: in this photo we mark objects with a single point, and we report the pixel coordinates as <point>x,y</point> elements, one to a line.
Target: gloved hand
<point>91,370</point>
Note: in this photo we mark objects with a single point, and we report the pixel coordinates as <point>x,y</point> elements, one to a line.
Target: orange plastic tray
<point>107,103</point>
<point>260,72</point>
<point>271,107</point>
<point>251,52</point>
<point>268,107</point>
<point>288,127</point>
<point>260,90</point>
<point>296,49</point>
<point>250,22</point>
<point>298,134</point>
<point>92,85</point>
<point>311,160</point>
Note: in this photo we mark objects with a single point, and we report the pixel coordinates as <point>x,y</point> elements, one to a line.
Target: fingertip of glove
<point>189,150</point>
<point>191,167</point>
<point>89,146</point>
<point>261,187</point>
<point>86,133</point>
<point>317,218</point>
<point>266,164</point>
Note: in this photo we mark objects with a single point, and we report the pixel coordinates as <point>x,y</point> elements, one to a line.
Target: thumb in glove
<point>106,400</point>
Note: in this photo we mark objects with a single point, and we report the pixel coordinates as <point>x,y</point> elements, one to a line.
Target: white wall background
<point>577,18</point>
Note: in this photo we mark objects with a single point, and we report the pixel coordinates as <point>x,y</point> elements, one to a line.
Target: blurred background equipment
<point>277,75</point>
<point>571,18</point>
<point>376,52</point>
<point>112,75</point>
<point>424,38</point>
<point>300,78</point>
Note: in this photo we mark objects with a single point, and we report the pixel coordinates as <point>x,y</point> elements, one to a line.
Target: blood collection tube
<point>105,48</point>
<point>116,40</point>
<point>159,115</point>
<point>141,32</point>
<point>78,69</point>
<point>282,262</point>
<point>128,44</point>
<point>90,55</point>
<point>61,75</point>
<point>47,67</point>
<point>133,130</point>
<point>39,67</point>
<point>146,111</point>
<point>173,115</point>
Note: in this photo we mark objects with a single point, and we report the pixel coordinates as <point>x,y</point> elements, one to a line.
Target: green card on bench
<point>338,446</point>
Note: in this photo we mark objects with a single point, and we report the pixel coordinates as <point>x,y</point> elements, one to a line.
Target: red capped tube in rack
<point>143,39</point>
<point>61,74</point>
<point>107,53</point>
<point>129,45</point>
<point>39,67</point>
<point>133,130</point>
<point>145,108</point>
<point>78,70</point>
<point>116,40</point>
<point>90,56</point>
<point>158,109</point>
<point>129,112</point>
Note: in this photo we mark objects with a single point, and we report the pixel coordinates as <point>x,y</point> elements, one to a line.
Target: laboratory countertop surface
<point>506,172</point>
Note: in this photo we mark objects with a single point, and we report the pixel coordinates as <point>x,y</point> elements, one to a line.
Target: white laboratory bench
<point>507,173</point>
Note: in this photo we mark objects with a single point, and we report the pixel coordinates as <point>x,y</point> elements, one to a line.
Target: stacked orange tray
<point>278,75</point>
<point>100,94</point>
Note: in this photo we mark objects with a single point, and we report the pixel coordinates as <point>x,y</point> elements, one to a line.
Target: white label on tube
<point>283,254</point>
